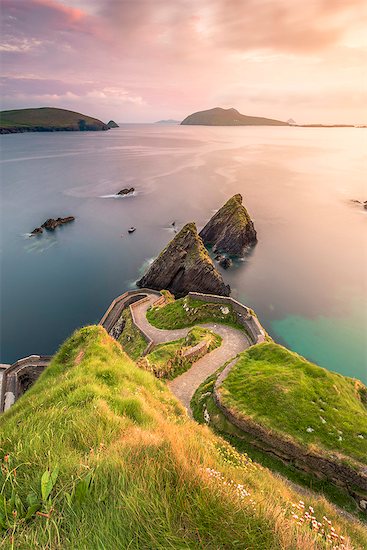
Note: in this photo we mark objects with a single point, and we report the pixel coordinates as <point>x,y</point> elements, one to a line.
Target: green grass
<point>289,395</point>
<point>187,312</point>
<point>94,413</point>
<point>167,361</point>
<point>45,117</point>
<point>244,443</point>
<point>131,338</point>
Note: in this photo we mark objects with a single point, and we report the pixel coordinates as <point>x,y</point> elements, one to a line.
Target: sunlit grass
<point>93,411</point>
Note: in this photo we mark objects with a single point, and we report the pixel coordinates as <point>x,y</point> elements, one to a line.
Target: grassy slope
<point>288,394</point>
<point>205,411</point>
<point>131,338</point>
<point>166,361</point>
<point>187,312</point>
<point>92,410</point>
<point>44,117</point>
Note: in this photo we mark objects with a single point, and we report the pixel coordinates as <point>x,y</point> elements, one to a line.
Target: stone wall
<point>18,377</point>
<point>244,315</point>
<point>116,308</point>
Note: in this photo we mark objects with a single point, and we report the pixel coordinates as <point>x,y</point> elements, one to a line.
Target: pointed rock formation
<point>185,266</point>
<point>112,124</point>
<point>231,229</point>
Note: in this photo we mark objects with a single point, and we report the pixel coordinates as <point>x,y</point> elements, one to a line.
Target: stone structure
<point>245,316</point>
<point>18,377</point>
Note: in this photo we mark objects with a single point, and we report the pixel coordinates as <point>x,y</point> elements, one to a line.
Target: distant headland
<point>168,121</point>
<point>48,119</point>
<point>232,117</point>
<point>229,117</point>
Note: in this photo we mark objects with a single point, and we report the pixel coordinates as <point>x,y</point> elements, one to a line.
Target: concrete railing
<point>244,315</point>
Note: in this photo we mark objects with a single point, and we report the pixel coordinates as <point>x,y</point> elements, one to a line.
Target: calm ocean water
<point>306,278</point>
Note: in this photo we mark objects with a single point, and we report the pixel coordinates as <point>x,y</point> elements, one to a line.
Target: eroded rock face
<point>185,266</point>
<point>231,229</point>
<point>51,223</point>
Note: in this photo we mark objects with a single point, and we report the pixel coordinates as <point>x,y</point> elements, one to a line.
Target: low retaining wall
<point>290,452</point>
<point>196,351</point>
<point>116,308</point>
<point>17,376</point>
<point>243,314</point>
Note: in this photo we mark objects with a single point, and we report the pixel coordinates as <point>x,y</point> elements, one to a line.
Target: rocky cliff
<point>231,229</point>
<point>184,266</point>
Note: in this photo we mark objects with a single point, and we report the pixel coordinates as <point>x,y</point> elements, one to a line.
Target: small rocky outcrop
<point>51,223</point>
<point>231,229</point>
<point>185,266</point>
<point>363,203</point>
<point>112,124</point>
<point>126,191</point>
<point>37,231</point>
<point>225,262</point>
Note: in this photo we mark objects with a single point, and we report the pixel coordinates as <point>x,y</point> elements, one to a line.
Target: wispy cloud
<point>145,59</point>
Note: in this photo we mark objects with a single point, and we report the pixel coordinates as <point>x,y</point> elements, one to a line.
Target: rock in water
<point>126,191</point>
<point>184,266</point>
<point>112,124</point>
<point>51,223</point>
<point>231,229</point>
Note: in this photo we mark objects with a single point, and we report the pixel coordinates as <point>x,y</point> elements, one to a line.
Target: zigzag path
<point>184,386</point>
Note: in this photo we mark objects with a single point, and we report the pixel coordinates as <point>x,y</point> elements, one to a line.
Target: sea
<point>306,278</point>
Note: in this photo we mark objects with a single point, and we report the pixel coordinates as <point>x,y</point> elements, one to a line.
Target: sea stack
<point>231,229</point>
<point>185,266</point>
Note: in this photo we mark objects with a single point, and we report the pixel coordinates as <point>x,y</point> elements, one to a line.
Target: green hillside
<point>289,395</point>
<point>98,454</point>
<point>229,117</point>
<point>47,119</point>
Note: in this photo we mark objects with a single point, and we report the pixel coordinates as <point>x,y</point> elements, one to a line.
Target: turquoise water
<point>306,278</point>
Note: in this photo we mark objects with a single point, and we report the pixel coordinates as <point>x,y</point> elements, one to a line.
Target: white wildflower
<point>309,429</point>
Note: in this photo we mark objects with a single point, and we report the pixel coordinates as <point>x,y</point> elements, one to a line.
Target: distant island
<point>168,121</point>
<point>229,117</point>
<point>112,124</point>
<point>47,119</point>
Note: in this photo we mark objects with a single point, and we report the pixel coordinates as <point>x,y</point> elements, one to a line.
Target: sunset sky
<point>143,60</point>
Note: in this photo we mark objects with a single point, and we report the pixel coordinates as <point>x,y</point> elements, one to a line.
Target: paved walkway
<point>184,386</point>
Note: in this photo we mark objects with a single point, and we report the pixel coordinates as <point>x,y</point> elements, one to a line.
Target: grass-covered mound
<point>171,359</point>
<point>187,312</point>
<point>109,459</point>
<point>47,119</point>
<point>289,395</point>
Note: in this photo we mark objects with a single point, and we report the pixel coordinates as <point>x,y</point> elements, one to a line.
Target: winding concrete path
<point>184,386</point>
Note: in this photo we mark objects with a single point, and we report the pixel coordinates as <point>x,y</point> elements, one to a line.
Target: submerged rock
<point>185,266</point>
<point>126,191</point>
<point>51,223</point>
<point>231,229</point>
<point>225,262</point>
